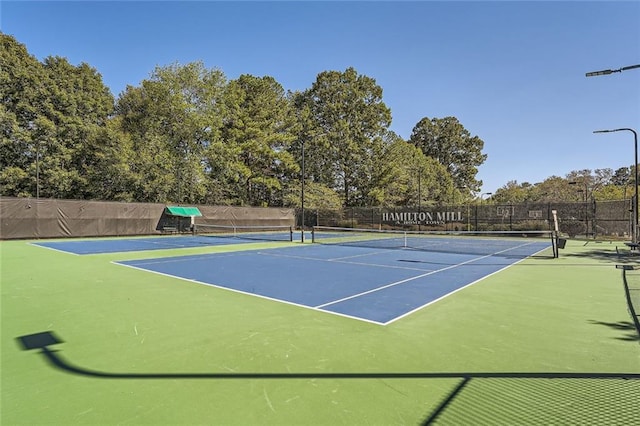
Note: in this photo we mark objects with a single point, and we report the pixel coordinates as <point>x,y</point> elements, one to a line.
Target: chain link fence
<point>54,218</point>
<point>611,219</point>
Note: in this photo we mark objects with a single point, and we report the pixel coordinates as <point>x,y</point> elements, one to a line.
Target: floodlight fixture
<point>607,72</point>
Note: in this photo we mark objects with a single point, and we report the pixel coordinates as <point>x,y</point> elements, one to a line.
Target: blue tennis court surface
<point>141,244</point>
<point>373,285</point>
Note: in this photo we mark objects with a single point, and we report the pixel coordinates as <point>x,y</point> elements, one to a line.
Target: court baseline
<point>117,245</point>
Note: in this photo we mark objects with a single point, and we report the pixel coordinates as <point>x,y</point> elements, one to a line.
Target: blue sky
<point>512,72</point>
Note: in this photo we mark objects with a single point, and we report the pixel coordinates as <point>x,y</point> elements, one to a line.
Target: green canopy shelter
<point>183,211</point>
<point>178,218</point>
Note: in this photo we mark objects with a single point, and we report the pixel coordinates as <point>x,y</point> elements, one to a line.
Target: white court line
<point>416,277</point>
<point>54,249</point>
<point>158,241</point>
<point>248,293</point>
<point>315,259</point>
<point>364,254</point>
<point>406,314</point>
<point>108,252</point>
<point>186,258</point>
<point>319,308</point>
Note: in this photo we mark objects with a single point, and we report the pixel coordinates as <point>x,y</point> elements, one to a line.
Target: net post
<point>313,234</point>
<point>555,235</point>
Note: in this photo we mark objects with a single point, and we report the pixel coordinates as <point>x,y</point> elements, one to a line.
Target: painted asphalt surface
<point>374,285</point>
<point>83,247</point>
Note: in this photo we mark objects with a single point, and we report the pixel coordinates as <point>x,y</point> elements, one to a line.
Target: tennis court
<point>371,284</point>
<point>290,334</point>
<point>204,236</point>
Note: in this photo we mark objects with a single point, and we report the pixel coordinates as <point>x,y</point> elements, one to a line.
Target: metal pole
<point>302,196</point>
<point>38,170</point>
<point>419,196</point>
<point>586,214</point>
<point>476,218</point>
<point>635,167</point>
<point>594,217</point>
<point>635,139</point>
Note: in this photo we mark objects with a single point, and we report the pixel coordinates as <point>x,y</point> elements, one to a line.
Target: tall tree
<point>47,113</point>
<point>174,119</point>
<point>512,192</point>
<point>448,142</point>
<point>406,177</point>
<point>260,124</point>
<point>106,158</point>
<point>622,176</point>
<point>349,120</point>
<point>82,105</point>
<point>20,77</point>
<point>153,174</point>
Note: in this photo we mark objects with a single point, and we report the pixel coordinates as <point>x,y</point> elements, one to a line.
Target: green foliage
<point>512,192</point>
<point>345,121</point>
<point>613,192</point>
<point>49,112</point>
<point>22,95</point>
<point>622,176</point>
<point>186,135</point>
<point>174,122</point>
<point>448,142</point>
<point>108,155</point>
<point>577,186</point>
<point>14,180</point>
<point>316,197</point>
<point>260,126</point>
<point>405,176</point>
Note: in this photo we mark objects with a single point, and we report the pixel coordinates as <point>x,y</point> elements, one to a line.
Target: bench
<point>633,247</point>
<point>169,229</point>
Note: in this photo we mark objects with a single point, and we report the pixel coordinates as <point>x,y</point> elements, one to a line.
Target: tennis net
<point>490,243</point>
<point>245,232</point>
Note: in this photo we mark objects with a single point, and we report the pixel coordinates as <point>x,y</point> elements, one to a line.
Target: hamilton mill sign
<point>421,217</point>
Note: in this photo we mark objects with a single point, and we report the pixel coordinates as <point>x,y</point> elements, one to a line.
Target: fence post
<point>475,219</point>
<point>594,226</point>
<point>511,212</point>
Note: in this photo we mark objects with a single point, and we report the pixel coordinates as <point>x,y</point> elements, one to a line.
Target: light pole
<point>38,170</point>
<point>635,168</point>
<point>302,195</point>
<point>607,72</point>
<point>419,195</point>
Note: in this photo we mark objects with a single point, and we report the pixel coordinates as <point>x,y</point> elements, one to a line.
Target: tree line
<point>187,134</point>
<point>576,186</point>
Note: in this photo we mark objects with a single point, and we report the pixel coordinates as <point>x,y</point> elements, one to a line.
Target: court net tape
<point>492,243</point>
<point>245,232</point>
